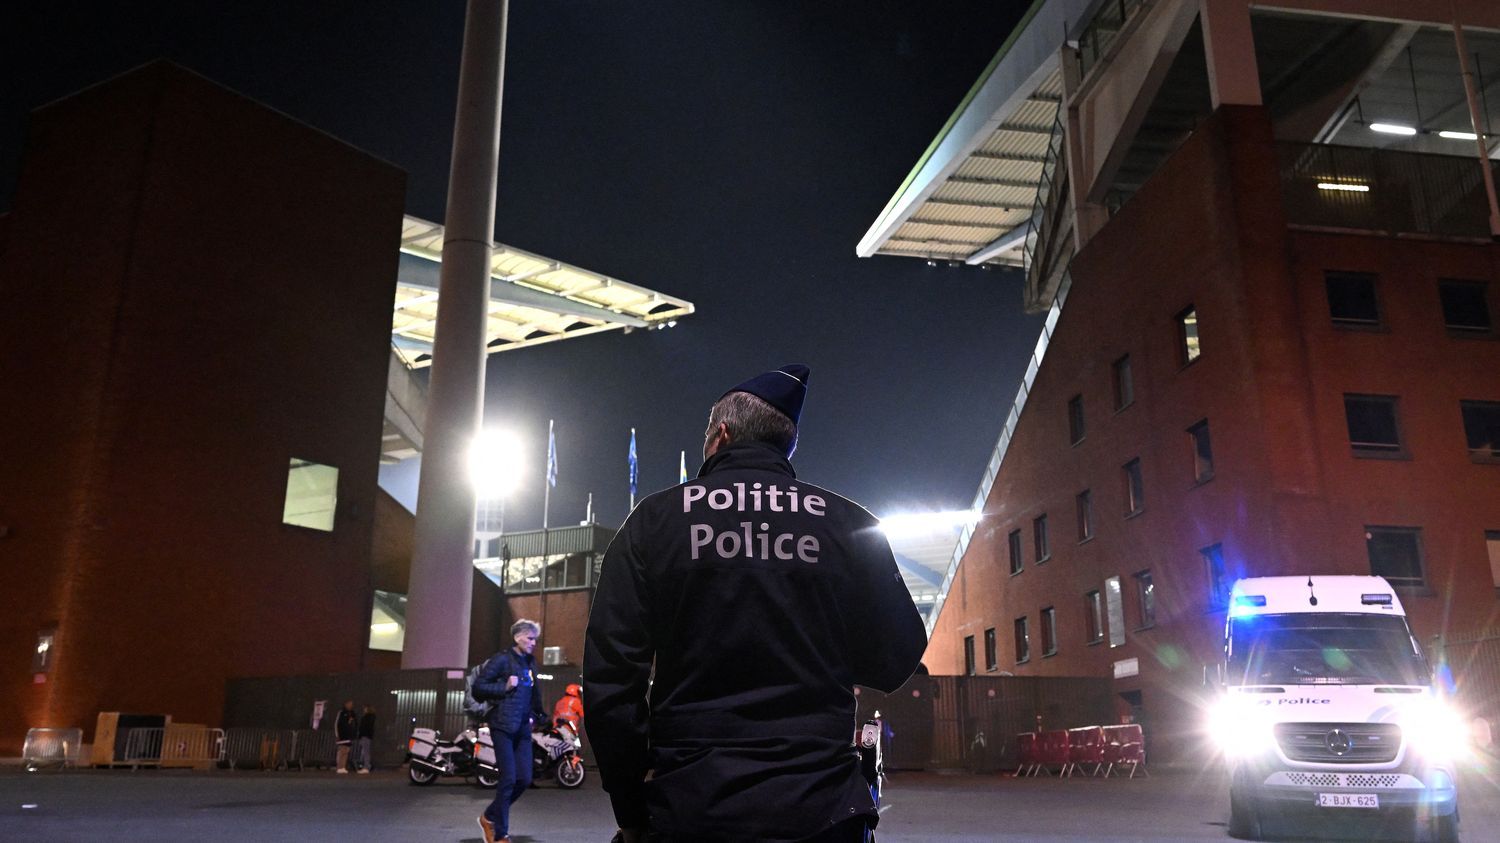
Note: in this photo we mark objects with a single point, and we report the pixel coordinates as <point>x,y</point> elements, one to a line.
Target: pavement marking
<point>883,809</point>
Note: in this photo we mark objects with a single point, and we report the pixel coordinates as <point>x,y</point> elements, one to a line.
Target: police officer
<point>761,600</point>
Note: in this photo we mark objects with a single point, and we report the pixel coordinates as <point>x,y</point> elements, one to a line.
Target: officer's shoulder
<point>850,509</point>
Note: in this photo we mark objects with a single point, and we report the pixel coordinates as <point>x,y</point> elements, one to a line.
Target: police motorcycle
<point>471,755</point>
<point>556,751</point>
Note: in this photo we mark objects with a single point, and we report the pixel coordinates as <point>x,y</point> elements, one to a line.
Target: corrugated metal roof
<point>533,299</point>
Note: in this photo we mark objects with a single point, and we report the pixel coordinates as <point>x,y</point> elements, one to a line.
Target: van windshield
<point>1331,649</point>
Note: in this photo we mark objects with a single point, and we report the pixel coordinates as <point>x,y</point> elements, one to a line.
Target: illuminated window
<point>1189,348</point>
<point>1013,541</point>
<point>388,621</point>
<point>1114,610</point>
<point>1396,554</point>
<point>991,656</point>
<point>312,495</point>
<point>1023,641</point>
<point>45,653</point>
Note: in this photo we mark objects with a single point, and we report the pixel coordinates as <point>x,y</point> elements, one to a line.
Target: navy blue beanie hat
<point>784,389</point>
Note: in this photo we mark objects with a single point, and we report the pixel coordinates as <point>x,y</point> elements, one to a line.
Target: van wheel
<point>1244,820</point>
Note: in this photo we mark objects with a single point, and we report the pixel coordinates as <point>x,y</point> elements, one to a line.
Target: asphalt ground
<point>173,805</point>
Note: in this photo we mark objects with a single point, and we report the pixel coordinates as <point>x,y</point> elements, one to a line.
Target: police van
<point>1329,707</point>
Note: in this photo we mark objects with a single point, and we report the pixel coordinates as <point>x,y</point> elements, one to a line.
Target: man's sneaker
<point>343,772</point>
<point>488,828</point>
<point>364,771</point>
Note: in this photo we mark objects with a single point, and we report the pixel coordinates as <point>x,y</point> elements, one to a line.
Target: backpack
<point>472,706</point>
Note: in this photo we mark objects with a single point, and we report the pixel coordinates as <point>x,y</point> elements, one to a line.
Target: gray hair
<point>524,624</point>
<point>752,419</point>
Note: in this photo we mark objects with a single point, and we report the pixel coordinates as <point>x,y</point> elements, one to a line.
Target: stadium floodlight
<point>495,463</point>
<point>918,524</point>
<point>1392,129</point>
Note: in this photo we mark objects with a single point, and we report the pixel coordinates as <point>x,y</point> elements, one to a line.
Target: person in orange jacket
<point>569,709</point>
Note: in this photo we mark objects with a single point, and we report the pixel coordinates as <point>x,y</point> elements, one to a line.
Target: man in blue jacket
<point>508,680</point>
<point>760,600</point>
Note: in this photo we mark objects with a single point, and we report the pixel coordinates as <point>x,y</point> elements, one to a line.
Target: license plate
<point>1348,800</point>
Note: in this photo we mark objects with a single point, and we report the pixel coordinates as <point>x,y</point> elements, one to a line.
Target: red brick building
<point>201,305</point>
<point>1271,349</point>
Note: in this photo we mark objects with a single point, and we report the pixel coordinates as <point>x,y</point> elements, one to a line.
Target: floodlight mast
<point>440,591</point>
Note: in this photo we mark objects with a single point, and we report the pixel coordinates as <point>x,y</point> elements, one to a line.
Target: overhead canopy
<point>533,299</point>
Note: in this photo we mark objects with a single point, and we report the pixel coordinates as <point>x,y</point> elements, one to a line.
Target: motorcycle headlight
<point>1239,728</point>
<point>1434,730</point>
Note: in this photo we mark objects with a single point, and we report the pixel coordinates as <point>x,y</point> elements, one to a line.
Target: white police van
<point>1330,707</point>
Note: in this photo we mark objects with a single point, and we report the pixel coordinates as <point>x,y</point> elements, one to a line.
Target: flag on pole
<point>551,456</point>
<point>634,473</point>
<point>682,466</point>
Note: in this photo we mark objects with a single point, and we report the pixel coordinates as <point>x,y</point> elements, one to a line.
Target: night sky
<point>728,152</point>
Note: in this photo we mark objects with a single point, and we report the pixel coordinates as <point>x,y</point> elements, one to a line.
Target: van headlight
<point>1239,728</point>
<point>1434,730</point>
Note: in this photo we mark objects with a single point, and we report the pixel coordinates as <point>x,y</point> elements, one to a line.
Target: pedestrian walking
<point>508,679</point>
<point>363,761</point>
<point>345,730</point>
<point>759,600</point>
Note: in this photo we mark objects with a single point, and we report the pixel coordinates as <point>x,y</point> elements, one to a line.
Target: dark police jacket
<point>515,706</point>
<point>762,600</point>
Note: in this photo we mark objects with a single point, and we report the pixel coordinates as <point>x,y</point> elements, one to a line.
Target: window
<point>1135,489</point>
<point>1351,299</point>
<point>1219,582</point>
<point>1145,599</point>
<point>1085,515</point>
<point>1039,538</point>
<point>968,655</point>
<point>1203,452</point>
<point>312,493</point>
<point>1482,429</point>
<point>1396,554</point>
<point>1075,419</point>
<point>991,658</point>
<point>1014,543</point>
<point>1114,608</point>
<point>1189,348</point>
<point>1023,641</point>
<point>388,621</point>
<point>1373,431</point>
<point>1124,383</point>
<point>1492,546</point>
<point>45,653</point>
<point>1093,617</point>
<point>1465,306</point>
<point>1049,631</point>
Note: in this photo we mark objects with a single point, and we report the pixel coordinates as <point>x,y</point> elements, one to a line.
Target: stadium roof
<point>533,299</point>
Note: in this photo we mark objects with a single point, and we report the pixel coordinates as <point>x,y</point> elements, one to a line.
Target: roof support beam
<point>1017,183</point>
<point>1004,243</point>
<point>1012,156</point>
<point>421,273</point>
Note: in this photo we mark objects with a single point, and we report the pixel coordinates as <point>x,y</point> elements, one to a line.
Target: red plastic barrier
<point>1085,746</point>
<point>1124,745</point>
<point>1052,750</point>
<point>1026,744</point>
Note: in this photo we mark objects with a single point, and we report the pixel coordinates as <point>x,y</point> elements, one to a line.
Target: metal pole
<point>547,477</point>
<point>440,592</point>
<point>1478,123</point>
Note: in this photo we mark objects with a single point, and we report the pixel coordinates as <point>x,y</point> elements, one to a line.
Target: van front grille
<point>1339,743</point>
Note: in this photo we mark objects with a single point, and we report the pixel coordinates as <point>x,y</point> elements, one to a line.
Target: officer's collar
<point>757,455</point>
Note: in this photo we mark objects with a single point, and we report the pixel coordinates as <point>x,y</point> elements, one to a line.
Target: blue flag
<point>634,472</point>
<point>551,457</point>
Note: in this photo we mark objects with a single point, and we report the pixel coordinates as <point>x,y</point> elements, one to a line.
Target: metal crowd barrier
<point>263,749</point>
<point>312,748</point>
<point>178,745</point>
<point>51,747</point>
